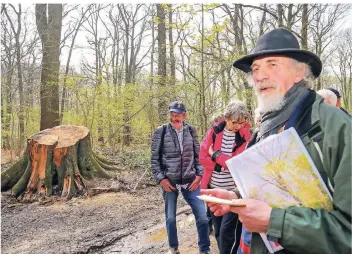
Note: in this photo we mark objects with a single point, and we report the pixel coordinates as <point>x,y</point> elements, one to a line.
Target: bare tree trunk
<point>262,22</point>
<point>64,90</point>
<point>202,90</point>
<point>151,86</point>
<point>280,14</point>
<point>162,103</point>
<point>6,112</point>
<point>238,40</point>
<point>17,34</point>
<point>304,29</point>
<point>49,28</point>
<point>290,16</point>
<point>127,128</point>
<point>171,48</point>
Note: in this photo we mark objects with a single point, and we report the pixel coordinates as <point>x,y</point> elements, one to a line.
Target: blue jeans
<point>199,211</point>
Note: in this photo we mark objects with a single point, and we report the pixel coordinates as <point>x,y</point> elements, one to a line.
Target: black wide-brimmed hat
<point>280,41</point>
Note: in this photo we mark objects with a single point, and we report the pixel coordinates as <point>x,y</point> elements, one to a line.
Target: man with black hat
<point>281,72</point>
<point>175,164</point>
<point>338,103</point>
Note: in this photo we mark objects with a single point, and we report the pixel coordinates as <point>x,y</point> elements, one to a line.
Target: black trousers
<point>210,219</point>
<point>227,230</point>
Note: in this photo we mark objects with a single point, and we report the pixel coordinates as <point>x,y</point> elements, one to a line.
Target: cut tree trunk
<point>56,161</point>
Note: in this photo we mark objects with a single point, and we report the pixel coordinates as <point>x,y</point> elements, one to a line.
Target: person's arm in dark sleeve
<point>156,164</point>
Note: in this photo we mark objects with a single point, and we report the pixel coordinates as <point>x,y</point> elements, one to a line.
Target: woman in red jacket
<point>226,139</point>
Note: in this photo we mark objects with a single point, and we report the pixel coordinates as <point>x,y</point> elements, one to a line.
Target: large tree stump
<point>60,158</point>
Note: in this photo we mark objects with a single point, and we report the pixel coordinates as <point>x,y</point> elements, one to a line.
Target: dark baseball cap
<point>178,107</point>
<point>335,92</point>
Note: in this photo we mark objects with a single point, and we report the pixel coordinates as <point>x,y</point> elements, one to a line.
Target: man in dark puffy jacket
<point>175,164</point>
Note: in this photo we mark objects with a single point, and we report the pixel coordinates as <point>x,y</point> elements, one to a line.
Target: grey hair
<point>308,77</point>
<point>236,109</point>
<point>327,94</point>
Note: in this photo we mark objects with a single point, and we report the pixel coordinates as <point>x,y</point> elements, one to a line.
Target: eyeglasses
<point>237,124</point>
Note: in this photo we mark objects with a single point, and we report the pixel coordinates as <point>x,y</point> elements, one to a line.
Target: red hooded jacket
<point>204,157</point>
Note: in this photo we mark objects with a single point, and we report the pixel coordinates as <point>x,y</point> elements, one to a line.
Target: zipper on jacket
<point>179,147</point>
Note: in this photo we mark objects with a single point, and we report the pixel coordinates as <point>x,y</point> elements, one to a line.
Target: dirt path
<point>121,222</point>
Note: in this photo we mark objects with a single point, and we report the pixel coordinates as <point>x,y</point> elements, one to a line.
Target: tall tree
<point>76,29</point>
<point>280,14</point>
<point>8,57</point>
<point>342,66</point>
<point>171,48</point>
<point>304,27</point>
<point>49,24</point>
<point>162,103</point>
<point>323,27</point>
<point>203,115</point>
<point>17,33</point>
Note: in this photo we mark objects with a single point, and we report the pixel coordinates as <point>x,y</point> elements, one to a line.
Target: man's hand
<point>217,209</point>
<point>255,216</point>
<point>194,185</point>
<point>167,186</point>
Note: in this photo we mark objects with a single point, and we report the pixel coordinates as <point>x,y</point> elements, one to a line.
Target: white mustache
<point>264,84</point>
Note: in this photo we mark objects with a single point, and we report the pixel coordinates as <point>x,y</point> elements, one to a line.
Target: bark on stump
<point>56,161</point>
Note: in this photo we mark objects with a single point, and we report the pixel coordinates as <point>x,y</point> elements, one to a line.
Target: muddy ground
<point>123,221</point>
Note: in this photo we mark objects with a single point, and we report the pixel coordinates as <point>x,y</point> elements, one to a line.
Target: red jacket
<point>204,157</point>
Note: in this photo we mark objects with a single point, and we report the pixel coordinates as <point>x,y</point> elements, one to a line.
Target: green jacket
<point>304,230</point>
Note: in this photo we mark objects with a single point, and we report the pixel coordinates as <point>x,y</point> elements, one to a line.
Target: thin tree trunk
<point>64,90</point>
<point>262,22</point>
<point>171,48</point>
<point>17,34</point>
<point>128,78</point>
<point>151,87</point>
<point>290,16</point>
<point>7,111</point>
<point>304,29</point>
<point>280,14</point>
<point>162,103</point>
<point>202,92</point>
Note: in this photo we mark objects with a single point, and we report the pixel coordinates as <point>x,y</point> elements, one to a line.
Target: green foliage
<point>156,20</point>
<point>135,157</point>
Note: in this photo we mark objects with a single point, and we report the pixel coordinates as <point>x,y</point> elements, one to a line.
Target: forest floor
<point>122,221</point>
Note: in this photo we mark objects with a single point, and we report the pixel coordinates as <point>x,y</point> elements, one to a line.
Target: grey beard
<point>269,107</point>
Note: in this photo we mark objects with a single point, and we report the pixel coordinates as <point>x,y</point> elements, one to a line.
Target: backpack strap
<point>162,140</point>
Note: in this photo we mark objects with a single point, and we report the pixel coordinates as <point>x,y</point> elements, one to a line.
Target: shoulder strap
<point>190,129</point>
<point>162,139</point>
<point>163,134</point>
